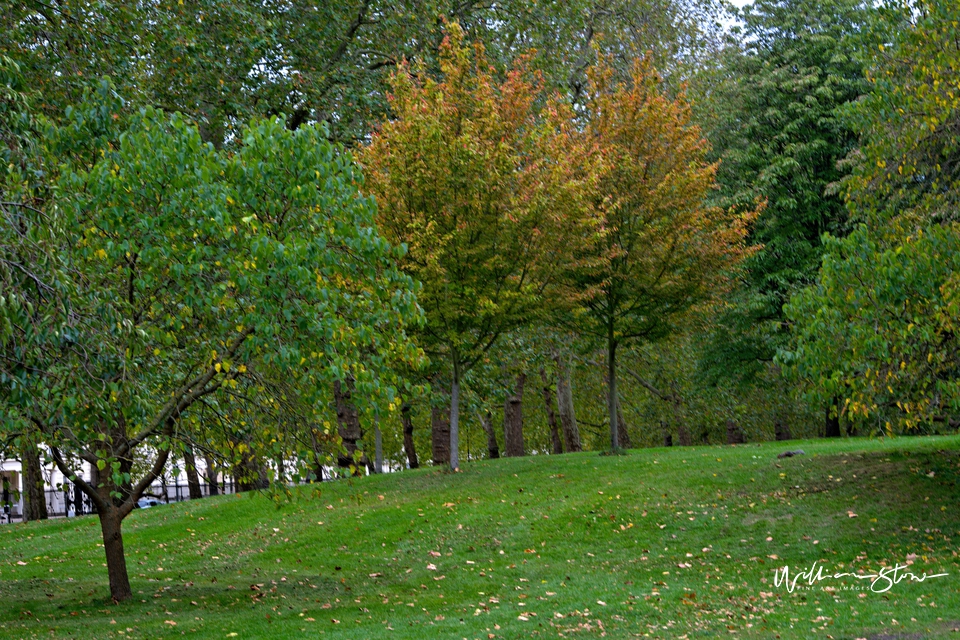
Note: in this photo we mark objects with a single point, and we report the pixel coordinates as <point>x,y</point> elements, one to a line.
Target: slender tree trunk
<point>34,500</point>
<point>408,445</point>
<point>110,521</point>
<point>683,433</point>
<point>211,474</point>
<point>568,418</point>
<point>440,435</point>
<point>348,424</point>
<point>513,420</point>
<point>832,422</point>
<point>612,401</point>
<point>317,456</point>
<point>378,449</point>
<point>193,478</point>
<point>486,421</point>
<point>555,441</point>
<point>455,414</point>
<point>623,429</point>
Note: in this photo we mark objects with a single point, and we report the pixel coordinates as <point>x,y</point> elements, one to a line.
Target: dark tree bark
<point>623,432</point>
<point>250,474</point>
<point>618,426</point>
<point>734,433</point>
<point>513,420</point>
<point>378,450</point>
<point>568,419</point>
<point>348,424</point>
<point>110,520</point>
<point>211,474</point>
<point>613,402</point>
<point>781,429</point>
<point>34,500</point>
<point>193,478</point>
<point>453,452</point>
<point>486,421</point>
<point>683,433</point>
<point>667,440</point>
<point>555,440</point>
<point>408,445</point>
<point>832,422</point>
<point>440,434</point>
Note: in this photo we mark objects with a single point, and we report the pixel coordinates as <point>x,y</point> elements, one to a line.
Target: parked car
<point>146,503</point>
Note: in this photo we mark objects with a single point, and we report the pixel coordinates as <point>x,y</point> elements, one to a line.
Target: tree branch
<point>102,505</point>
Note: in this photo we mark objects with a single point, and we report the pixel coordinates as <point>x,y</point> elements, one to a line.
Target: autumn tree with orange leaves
<point>488,192</point>
<point>661,250</point>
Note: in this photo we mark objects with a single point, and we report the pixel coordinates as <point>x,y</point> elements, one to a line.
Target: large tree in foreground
<point>662,249</point>
<point>487,195</point>
<point>170,275</point>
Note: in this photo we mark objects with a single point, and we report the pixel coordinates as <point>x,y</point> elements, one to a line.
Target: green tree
<point>185,275</point>
<point>878,328</point>
<point>778,128</point>
<point>662,249</point>
<point>222,63</point>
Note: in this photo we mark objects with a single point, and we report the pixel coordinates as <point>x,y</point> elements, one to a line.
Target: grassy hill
<point>665,543</point>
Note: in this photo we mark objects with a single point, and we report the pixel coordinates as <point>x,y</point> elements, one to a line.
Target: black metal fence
<point>68,501</point>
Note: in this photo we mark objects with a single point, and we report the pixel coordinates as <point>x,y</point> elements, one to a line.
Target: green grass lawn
<point>668,543</point>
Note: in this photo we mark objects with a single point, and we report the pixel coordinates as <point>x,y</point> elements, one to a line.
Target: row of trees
<point>184,271</point>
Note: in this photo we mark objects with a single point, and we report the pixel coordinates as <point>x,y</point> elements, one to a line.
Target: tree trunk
<point>612,401</point>
<point>34,500</point>
<point>555,441</point>
<point>832,424</point>
<point>110,521</point>
<point>683,434</point>
<point>568,419</point>
<point>454,452</point>
<point>440,435</point>
<point>667,439</point>
<point>781,429</point>
<point>348,424</point>
<point>211,474</point>
<point>378,449</point>
<point>193,479</point>
<point>734,433</point>
<point>493,449</point>
<point>623,430</point>
<point>408,445</point>
<point>250,474</point>
<point>513,420</point>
